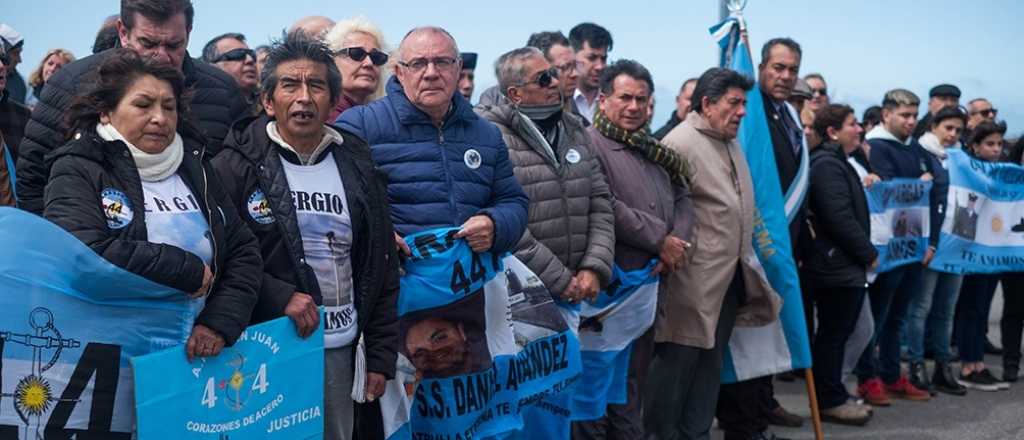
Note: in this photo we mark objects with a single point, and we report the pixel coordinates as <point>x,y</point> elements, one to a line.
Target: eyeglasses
<point>359,54</point>
<point>235,55</point>
<point>419,64</point>
<point>988,113</point>
<point>545,78</point>
<point>822,91</point>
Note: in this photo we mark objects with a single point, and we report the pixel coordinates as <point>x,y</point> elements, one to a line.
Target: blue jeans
<point>930,315</point>
<point>890,295</point>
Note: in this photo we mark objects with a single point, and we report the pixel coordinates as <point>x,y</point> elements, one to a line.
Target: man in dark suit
<point>965,219</point>
<point>745,409</point>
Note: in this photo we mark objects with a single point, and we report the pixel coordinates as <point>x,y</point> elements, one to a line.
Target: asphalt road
<point>976,416</point>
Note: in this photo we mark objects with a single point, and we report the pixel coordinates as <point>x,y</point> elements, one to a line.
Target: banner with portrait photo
<point>480,340</point>
<point>983,230</point>
<point>268,385</point>
<point>899,221</point>
<point>69,323</point>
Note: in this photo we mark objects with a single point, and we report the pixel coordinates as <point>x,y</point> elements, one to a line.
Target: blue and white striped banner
<point>983,230</point>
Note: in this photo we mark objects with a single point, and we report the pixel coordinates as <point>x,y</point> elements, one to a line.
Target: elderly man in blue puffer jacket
<point>445,165</point>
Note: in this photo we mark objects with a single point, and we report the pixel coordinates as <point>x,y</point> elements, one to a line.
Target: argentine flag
<point>782,345</point>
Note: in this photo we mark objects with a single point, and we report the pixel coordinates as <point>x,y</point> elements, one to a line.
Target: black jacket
<point>13,118</point>
<point>215,104</point>
<point>841,250</point>
<point>251,161</point>
<point>672,123</point>
<point>788,164</point>
<point>89,165</point>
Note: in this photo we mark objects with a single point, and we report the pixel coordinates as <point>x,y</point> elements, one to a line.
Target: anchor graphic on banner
<point>33,396</point>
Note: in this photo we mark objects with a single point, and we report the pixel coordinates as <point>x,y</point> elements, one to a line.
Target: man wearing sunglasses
<point>978,110</point>
<point>231,54</point>
<point>570,237</point>
<point>445,165</point>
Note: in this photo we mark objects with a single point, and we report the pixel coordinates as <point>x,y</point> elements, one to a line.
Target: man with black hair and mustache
<point>310,194</point>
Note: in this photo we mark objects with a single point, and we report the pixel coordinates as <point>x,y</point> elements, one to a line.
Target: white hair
<point>335,38</point>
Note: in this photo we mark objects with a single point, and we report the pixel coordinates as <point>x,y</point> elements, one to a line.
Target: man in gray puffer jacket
<point>570,239</point>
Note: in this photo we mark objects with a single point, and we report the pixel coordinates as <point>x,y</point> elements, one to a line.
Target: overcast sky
<point>862,47</point>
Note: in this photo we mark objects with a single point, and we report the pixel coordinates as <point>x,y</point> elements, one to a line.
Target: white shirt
<point>586,108</point>
<point>173,217</point>
<point>326,227</point>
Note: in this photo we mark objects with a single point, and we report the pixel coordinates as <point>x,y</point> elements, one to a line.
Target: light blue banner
<point>983,229</point>
<point>608,326</point>
<point>900,221</point>
<point>269,385</point>
<point>69,323</point>
<point>481,344</point>
<point>756,352</point>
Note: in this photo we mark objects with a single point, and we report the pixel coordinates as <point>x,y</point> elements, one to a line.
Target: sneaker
<point>903,389</point>
<point>945,381</point>
<point>874,393</point>
<point>846,414</point>
<point>977,381</point>
<point>999,384</point>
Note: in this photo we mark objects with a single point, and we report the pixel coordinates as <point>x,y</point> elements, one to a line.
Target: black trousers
<point>680,394</point>
<point>743,407</point>
<point>838,310</point>
<point>623,421</point>
<point>1012,324</point>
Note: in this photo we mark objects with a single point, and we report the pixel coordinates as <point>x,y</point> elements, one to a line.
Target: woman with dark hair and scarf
<point>133,184</point>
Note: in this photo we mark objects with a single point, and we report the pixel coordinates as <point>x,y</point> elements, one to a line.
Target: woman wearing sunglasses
<point>360,53</point>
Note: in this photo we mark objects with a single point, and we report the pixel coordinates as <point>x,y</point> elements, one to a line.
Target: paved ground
<point>977,416</point>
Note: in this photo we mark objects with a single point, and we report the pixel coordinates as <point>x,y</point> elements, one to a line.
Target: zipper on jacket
<point>334,263</point>
<point>568,221</point>
<point>209,219</point>
<point>447,173</point>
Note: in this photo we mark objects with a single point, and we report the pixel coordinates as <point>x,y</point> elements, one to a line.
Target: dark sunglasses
<point>988,113</point>
<point>821,91</point>
<point>377,57</point>
<point>235,55</point>
<point>545,78</point>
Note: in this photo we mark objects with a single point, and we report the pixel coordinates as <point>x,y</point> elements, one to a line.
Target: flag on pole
<point>782,345</point>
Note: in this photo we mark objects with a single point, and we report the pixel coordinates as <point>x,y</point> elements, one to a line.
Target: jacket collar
<point>879,132</point>
<point>409,114</point>
<point>704,127</point>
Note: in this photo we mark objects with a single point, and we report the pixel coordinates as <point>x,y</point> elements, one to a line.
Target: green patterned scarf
<point>677,166</point>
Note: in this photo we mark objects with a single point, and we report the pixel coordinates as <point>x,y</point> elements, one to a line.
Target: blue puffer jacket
<point>441,177</point>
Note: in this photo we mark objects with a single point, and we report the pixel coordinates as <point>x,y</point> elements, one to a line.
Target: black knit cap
<point>468,60</point>
<point>944,90</point>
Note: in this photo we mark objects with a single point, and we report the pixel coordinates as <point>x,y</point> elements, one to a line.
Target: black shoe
<point>919,377</point>
<point>766,435</point>
<point>944,380</point>
<point>780,417</point>
<point>1010,371</point>
<point>787,376</point>
<point>991,348</point>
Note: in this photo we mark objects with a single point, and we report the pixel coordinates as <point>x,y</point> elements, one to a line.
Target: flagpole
<point>812,394</point>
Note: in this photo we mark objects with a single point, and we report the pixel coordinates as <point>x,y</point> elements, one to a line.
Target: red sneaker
<point>905,390</point>
<point>874,393</point>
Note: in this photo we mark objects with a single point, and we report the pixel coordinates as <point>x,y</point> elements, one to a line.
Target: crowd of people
<point>269,181</point>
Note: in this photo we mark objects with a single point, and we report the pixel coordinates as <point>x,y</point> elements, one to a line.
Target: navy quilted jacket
<point>441,177</point>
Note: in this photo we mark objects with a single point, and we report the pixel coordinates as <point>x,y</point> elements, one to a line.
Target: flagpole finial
<point>736,7</point>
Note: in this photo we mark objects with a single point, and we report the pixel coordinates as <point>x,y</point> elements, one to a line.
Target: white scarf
<point>330,136</point>
<point>152,167</point>
<point>931,143</point>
